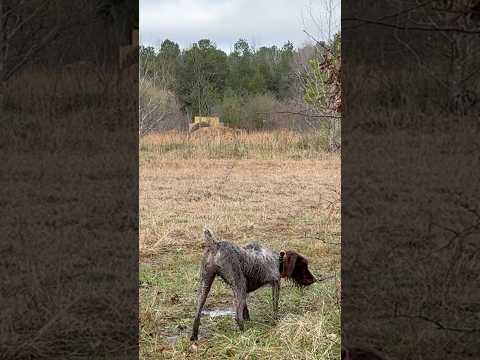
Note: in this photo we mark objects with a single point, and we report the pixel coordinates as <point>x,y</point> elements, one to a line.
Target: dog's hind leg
<point>205,285</point>
<point>240,294</point>
<point>246,314</point>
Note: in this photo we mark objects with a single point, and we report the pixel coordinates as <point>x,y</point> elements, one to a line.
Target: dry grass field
<point>273,192</point>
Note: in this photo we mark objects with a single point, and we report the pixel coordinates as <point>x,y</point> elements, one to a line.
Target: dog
<point>246,269</point>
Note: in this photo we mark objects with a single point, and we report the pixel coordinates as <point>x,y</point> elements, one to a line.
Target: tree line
<point>244,85</point>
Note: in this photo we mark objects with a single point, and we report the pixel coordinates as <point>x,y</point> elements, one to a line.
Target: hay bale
<point>211,120</point>
<point>195,126</point>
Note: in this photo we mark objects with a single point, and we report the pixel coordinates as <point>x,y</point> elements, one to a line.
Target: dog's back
<point>257,265</point>
<point>261,266</point>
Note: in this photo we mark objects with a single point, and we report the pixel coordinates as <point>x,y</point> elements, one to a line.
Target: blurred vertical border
<point>69,179</point>
<point>410,189</point>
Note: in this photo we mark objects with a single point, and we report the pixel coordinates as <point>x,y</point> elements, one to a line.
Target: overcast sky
<point>261,22</point>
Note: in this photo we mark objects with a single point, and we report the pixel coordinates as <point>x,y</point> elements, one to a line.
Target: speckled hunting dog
<point>245,269</point>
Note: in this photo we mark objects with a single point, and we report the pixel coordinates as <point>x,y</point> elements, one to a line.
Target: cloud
<point>261,22</point>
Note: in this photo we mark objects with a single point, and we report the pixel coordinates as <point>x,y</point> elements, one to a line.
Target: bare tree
<point>462,55</point>
<point>158,106</point>
<point>319,76</point>
<point>451,26</point>
<point>22,34</point>
<point>149,110</point>
<point>29,27</point>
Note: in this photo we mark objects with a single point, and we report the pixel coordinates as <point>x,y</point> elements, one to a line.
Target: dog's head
<point>295,268</point>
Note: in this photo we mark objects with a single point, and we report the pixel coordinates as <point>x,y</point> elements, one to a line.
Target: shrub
<point>257,108</point>
<point>230,111</point>
<point>249,112</point>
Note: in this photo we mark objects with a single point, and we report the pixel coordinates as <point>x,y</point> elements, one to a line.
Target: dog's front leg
<point>246,314</point>
<point>240,305</point>
<point>275,296</point>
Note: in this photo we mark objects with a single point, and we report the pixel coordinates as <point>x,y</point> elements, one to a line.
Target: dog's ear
<point>295,267</point>
<point>289,261</point>
<point>304,277</point>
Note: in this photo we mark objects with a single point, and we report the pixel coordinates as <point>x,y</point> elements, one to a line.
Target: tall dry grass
<point>67,155</point>
<point>225,143</point>
<point>60,110</point>
<point>48,91</point>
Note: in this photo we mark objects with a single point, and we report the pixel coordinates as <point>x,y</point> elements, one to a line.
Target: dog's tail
<point>209,237</point>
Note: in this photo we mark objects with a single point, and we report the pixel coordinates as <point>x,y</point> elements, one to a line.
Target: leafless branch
<point>448,29</point>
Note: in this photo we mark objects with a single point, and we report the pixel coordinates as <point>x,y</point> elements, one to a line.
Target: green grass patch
<point>308,328</point>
